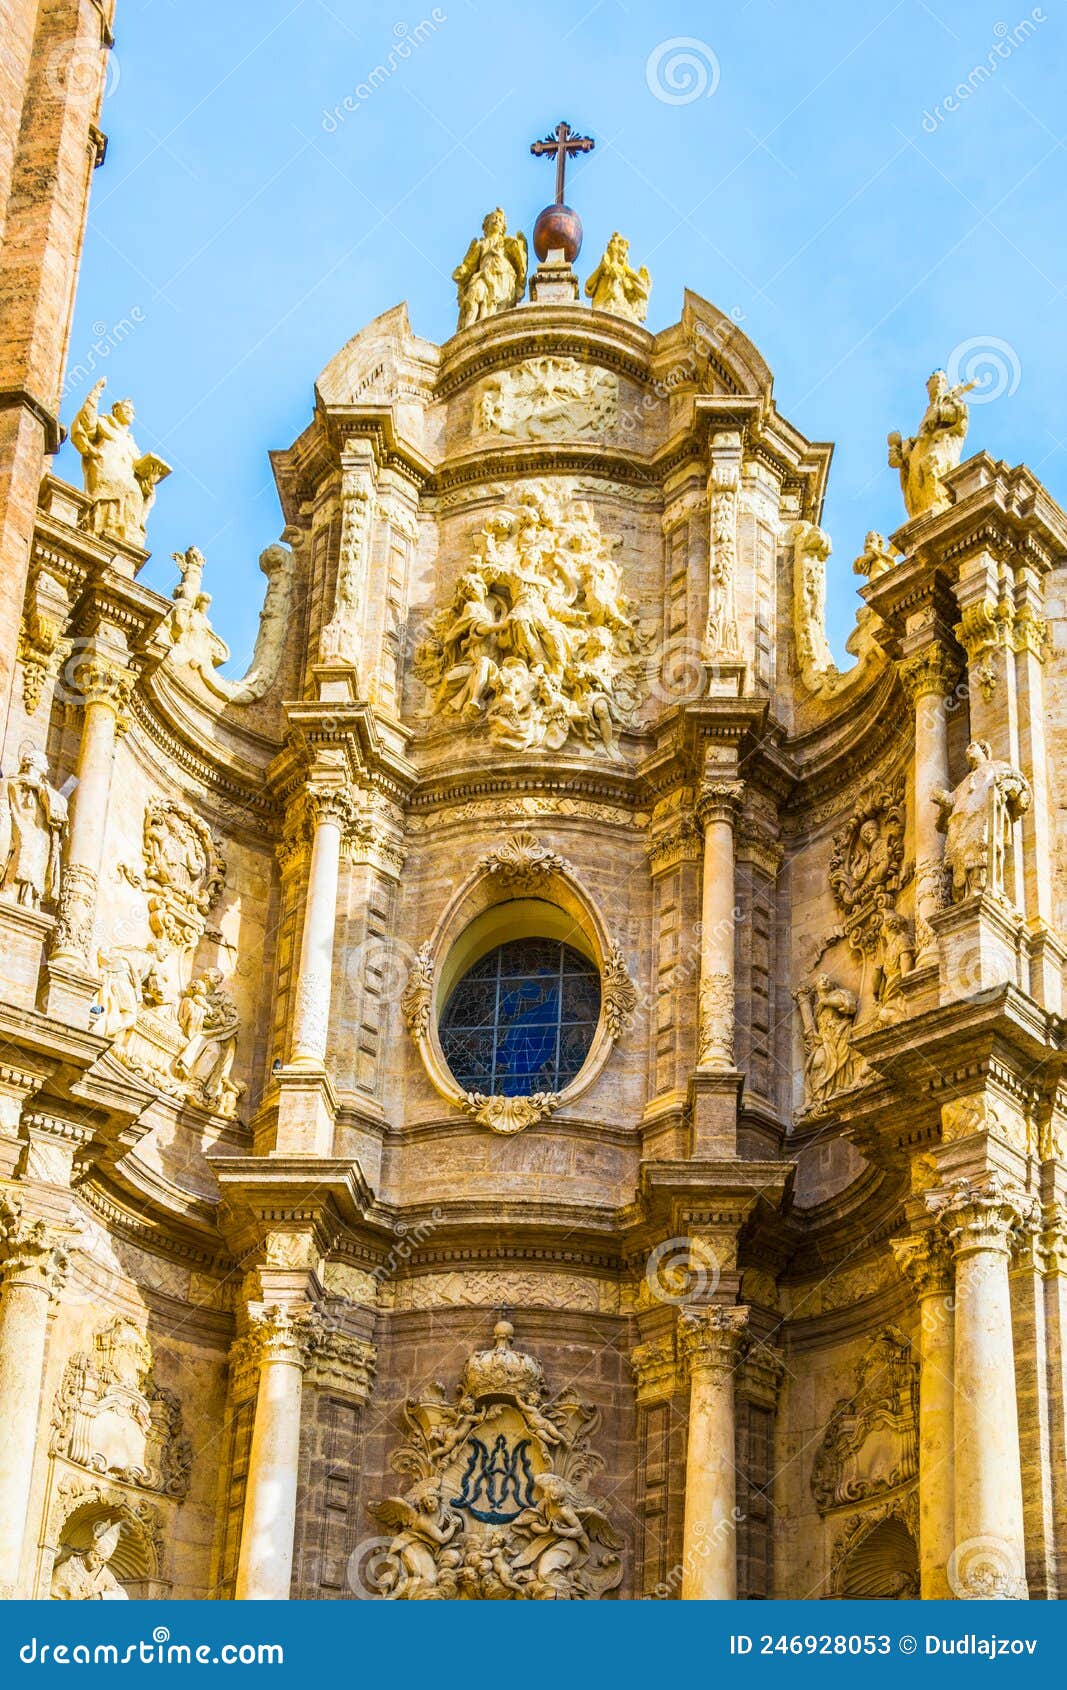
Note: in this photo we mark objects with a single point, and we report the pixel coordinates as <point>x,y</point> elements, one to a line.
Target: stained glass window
<point>522,1019</point>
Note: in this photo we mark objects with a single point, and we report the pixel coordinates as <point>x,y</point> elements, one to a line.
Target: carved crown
<point>503,1370</point>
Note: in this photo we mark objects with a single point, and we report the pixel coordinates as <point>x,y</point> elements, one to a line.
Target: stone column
<point>330,807</point>
<point>710,1341</point>
<point>929,676</point>
<point>34,1265</point>
<point>105,687</point>
<point>928,1264</point>
<point>281,1342</point>
<point>988,1557</point>
<point>717,807</point>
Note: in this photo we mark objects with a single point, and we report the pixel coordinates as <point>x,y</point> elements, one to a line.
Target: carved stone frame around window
<point>519,890</point>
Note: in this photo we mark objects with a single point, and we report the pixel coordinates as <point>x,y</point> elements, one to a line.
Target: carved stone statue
<point>898,960</point>
<point>84,1575</point>
<point>811,551</point>
<point>538,635</point>
<point>978,820</point>
<point>498,1511</point>
<point>33,819</point>
<point>193,639</point>
<point>492,276</point>
<point>208,1017</point>
<point>827,1014</point>
<point>925,458</point>
<point>867,863</point>
<point>119,479</point>
<point>616,286</point>
<point>876,557</point>
<point>550,399</point>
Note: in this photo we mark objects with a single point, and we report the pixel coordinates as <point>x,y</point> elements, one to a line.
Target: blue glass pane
<point>522,1019</point>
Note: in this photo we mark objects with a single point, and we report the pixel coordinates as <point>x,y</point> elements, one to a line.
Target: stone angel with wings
<point>492,276</point>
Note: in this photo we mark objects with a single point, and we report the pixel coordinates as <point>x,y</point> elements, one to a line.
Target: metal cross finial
<point>562,141</point>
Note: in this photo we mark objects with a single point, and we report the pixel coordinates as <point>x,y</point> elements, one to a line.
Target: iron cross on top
<point>563,140</point>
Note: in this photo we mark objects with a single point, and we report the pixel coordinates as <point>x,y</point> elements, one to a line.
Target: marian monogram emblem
<point>498,1481</point>
<point>498,1510</point>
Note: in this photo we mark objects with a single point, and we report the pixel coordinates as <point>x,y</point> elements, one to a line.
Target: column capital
<point>926,1260</point>
<point>330,801</point>
<point>32,1253</point>
<point>983,1217</point>
<point>339,1362</point>
<point>719,801</point>
<point>274,1333</point>
<point>101,680</point>
<point>655,1369</point>
<point>932,671</point>
<point>711,1340</point>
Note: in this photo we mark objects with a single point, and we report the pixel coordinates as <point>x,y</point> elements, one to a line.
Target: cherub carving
<point>557,1532</point>
<point>492,276</point>
<point>424,1525</point>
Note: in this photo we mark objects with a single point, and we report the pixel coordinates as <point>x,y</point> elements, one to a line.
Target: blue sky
<point>806,174</point>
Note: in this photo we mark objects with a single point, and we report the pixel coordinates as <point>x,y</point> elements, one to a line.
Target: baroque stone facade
<point>547,1088</point>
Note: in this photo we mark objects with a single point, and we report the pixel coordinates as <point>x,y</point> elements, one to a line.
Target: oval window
<point>522,1020</point>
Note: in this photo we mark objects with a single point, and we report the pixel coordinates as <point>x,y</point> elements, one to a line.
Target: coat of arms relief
<point>498,1510</point>
<point>538,638</point>
<point>111,1417</point>
<point>871,1442</point>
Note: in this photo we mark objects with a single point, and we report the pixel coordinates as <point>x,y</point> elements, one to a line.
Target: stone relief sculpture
<point>550,399</point>
<point>721,636</point>
<point>978,821</point>
<point>110,1416</point>
<point>119,479</point>
<point>176,1030</point>
<point>84,1575</point>
<point>827,1016</point>
<point>871,1442</point>
<point>925,458</point>
<point>897,962</point>
<point>820,674</point>
<point>616,286</point>
<point>498,1510</point>
<point>33,820</point>
<point>492,276</point>
<point>876,558</point>
<point>523,862</point>
<point>339,640</point>
<point>538,636</point>
<point>867,863</point>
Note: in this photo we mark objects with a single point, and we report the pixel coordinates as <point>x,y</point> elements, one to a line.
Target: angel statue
<point>492,277</point>
<point>616,286</point>
<point>119,479</point>
<point>928,456</point>
<point>424,1526</point>
<point>558,1530</point>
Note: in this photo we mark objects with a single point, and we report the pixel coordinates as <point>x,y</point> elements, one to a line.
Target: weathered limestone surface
<point>542,655</point>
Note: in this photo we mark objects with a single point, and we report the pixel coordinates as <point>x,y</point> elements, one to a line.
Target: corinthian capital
<point>330,801</point>
<point>982,1217</point>
<point>101,680</point>
<point>926,1260</point>
<point>711,1339</point>
<point>31,1252</point>
<point>932,671</point>
<point>719,801</point>
<point>278,1334</point>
